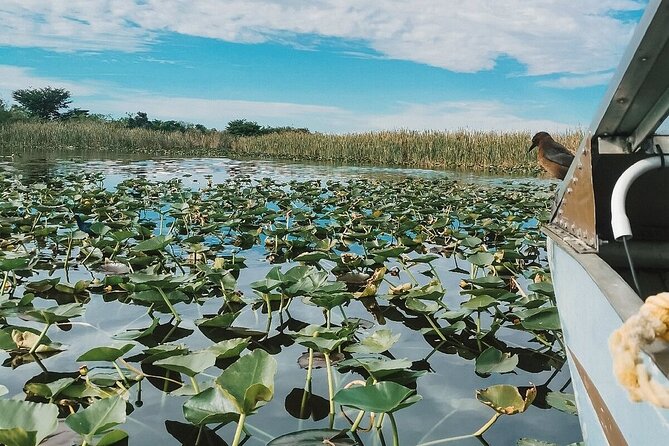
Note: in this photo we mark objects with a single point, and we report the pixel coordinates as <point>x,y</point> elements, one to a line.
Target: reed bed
<point>45,137</point>
<point>461,149</point>
<point>470,150</point>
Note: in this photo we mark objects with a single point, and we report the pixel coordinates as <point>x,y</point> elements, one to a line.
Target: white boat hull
<point>593,300</point>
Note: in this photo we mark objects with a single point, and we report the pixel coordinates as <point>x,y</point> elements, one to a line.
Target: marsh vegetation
<point>360,311</point>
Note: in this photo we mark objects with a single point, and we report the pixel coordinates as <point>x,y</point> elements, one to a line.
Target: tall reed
<point>472,150</point>
<point>105,137</point>
<point>461,149</point>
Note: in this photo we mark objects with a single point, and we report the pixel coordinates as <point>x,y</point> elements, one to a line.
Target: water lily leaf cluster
<point>205,287</point>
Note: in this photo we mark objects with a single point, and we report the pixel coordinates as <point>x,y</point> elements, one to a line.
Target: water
<point>448,408</point>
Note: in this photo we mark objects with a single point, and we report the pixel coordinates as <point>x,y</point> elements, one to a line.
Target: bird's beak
<point>531,147</point>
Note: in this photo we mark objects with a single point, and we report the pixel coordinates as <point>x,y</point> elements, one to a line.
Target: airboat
<point>608,247</point>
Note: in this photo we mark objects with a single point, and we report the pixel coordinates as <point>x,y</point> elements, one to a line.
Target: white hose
<point>619,221</point>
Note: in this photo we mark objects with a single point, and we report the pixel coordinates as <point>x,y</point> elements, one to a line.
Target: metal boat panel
<point>588,318</point>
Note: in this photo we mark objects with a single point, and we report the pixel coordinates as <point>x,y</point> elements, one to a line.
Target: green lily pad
<point>382,397</point>
<point>564,402</point>
<point>506,399</point>
<point>492,360</point>
<point>481,259</point>
<point>249,381</point>
<point>190,364</point>
<point>379,342</point>
<point>156,243</point>
<point>24,423</point>
<point>105,353</point>
<point>60,313</point>
<point>210,406</point>
<point>544,319</point>
<point>230,348</point>
<point>480,303</point>
<point>98,418</point>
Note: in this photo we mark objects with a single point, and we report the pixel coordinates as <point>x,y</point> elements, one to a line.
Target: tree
<point>140,120</point>
<point>5,114</point>
<point>242,127</point>
<point>75,113</point>
<point>44,103</point>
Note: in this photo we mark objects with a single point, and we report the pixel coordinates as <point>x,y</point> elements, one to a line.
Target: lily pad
<point>506,399</point>
<point>24,423</point>
<point>382,397</point>
<point>494,361</point>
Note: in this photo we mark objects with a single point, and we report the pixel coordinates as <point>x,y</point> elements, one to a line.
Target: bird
<point>552,156</point>
<point>84,226</point>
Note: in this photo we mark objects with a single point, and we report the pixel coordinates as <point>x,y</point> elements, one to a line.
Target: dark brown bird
<point>552,156</point>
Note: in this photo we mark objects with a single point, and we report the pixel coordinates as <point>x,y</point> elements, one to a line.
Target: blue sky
<point>330,65</point>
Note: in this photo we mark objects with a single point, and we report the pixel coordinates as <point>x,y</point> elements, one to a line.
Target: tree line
<point>53,104</point>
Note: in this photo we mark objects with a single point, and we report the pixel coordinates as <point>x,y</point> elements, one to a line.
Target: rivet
<point>580,166</point>
<point>574,180</point>
<point>621,100</point>
<point>644,59</point>
<point>569,190</point>
<point>560,211</point>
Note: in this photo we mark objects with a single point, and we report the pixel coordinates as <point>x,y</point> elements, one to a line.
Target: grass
<point>471,150</point>
<point>28,137</point>
<point>461,149</point>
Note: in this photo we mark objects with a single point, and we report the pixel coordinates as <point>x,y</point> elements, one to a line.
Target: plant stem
<point>393,424</point>
<point>307,383</point>
<point>435,327</point>
<point>4,282</point>
<point>240,427</point>
<point>478,330</point>
<point>330,388</point>
<point>67,257</point>
<point>39,340</point>
<point>120,373</point>
<point>169,305</point>
<point>487,426</point>
<point>357,421</point>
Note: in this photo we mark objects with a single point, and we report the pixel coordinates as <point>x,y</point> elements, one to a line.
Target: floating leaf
<point>564,402</point>
<point>249,381</point>
<point>379,342</point>
<point>105,353</point>
<point>545,319</point>
<point>230,348</point>
<point>156,243</point>
<point>210,406</point>
<point>190,364</point>
<point>506,399</point>
<point>481,259</point>
<point>25,423</point>
<point>480,303</point>
<point>494,361</point>
<point>382,397</point>
<point>98,418</point>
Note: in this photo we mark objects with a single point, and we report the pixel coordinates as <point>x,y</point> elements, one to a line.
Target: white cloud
<point>475,115</point>
<point>217,112</point>
<point>548,36</point>
<point>117,101</point>
<point>578,81</point>
<point>14,78</point>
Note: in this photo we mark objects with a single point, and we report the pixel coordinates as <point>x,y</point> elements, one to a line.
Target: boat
<point>608,248</point>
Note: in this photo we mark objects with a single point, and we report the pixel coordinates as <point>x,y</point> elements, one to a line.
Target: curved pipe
<point>619,221</point>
